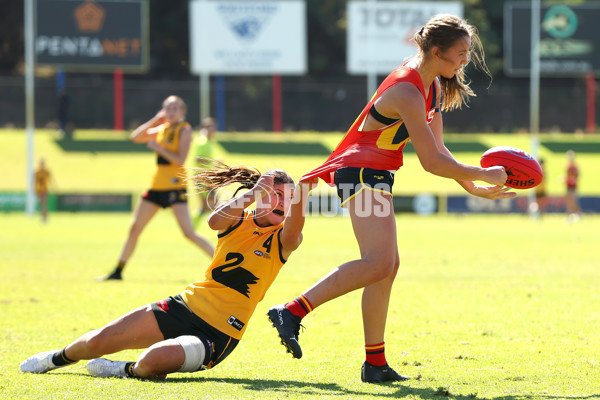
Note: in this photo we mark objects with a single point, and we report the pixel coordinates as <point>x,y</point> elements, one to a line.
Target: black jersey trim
<point>382,118</point>
<point>434,97</point>
<point>160,160</point>
<point>280,247</point>
<point>232,227</point>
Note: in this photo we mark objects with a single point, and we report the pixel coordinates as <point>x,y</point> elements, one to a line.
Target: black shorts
<point>176,319</point>
<point>350,181</point>
<point>166,198</point>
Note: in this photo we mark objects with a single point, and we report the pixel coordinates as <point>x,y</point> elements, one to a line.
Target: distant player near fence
<point>42,179</point>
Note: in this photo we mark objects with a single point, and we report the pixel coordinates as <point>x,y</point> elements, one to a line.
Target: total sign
<point>380,34</point>
<point>248,37</point>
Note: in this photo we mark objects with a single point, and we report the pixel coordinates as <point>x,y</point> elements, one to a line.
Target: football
<point>523,170</point>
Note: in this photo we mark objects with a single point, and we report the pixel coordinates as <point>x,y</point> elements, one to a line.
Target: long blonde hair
<point>443,31</point>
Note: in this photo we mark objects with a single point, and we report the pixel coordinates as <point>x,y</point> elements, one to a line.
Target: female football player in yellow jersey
<point>41,180</point>
<point>169,135</point>
<point>198,328</point>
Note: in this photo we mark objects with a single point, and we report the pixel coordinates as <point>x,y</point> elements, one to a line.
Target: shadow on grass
<point>281,148</point>
<point>316,389</point>
<point>577,147</point>
<point>456,147</point>
<point>101,146</point>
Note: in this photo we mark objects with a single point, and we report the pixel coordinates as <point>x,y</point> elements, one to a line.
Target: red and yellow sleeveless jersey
<point>246,262</point>
<point>169,176</point>
<point>572,175</point>
<point>41,180</point>
<point>380,148</point>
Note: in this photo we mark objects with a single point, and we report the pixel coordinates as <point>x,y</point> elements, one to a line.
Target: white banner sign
<point>380,33</point>
<point>248,37</point>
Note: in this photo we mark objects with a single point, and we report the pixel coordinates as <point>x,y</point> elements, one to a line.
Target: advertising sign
<point>248,37</point>
<point>93,202</point>
<point>96,36</point>
<point>569,39</point>
<point>380,33</point>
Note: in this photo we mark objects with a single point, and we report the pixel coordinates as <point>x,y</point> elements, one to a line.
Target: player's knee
<point>189,234</point>
<point>135,230</point>
<point>381,267</point>
<point>395,269</point>
<point>148,367</point>
<point>97,343</point>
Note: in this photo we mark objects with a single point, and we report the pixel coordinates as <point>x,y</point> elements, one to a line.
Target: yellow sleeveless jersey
<point>246,262</point>
<point>169,176</point>
<point>41,180</point>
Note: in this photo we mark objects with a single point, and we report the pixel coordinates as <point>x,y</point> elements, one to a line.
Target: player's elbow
<point>291,242</point>
<point>433,164</point>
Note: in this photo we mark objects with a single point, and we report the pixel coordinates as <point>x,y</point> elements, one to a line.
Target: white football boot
<point>103,368</point>
<point>40,363</point>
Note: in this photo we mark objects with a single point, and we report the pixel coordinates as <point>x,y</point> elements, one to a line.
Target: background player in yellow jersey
<point>169,135</point>
<point>42,179</point>
<point>198,328</point>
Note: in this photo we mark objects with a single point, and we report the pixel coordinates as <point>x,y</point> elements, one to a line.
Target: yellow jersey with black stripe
<point>246,262</point>
<point>169,176</point>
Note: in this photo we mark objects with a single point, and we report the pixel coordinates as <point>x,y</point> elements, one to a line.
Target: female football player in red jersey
<point>571,198</point>
<point>169,135</point>
<point>198,328</point>
<point>405,107</point>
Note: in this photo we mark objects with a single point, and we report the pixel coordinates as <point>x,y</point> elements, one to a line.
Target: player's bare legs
<point>182,215</point>
<point>143,213</point>
<point>159,360</point>
<point>156,362</point>
<point>43,198</point>
<point>375,302</point>
<point>134,330</point>
<point>137,329</point>
<point>376,236</point>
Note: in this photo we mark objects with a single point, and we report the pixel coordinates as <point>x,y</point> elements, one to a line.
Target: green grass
<point>501,307</point>
<point>105,171</point>
<point>484,306</point>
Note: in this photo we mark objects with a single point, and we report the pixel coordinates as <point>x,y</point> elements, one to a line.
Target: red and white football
<point>523,170</point>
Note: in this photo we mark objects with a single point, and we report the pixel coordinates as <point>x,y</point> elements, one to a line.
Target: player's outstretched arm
<point>291,235</point>
<point>230,212</point>
<point>487,192</point>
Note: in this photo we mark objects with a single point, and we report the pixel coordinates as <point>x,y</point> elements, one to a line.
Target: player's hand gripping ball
<point>523,170</point>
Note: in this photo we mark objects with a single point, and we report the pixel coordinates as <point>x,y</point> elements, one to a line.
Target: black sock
<point>120,266</point>
<point>60,358</point>
<point>129,369</point>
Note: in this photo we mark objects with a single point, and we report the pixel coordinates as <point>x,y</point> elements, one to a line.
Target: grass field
<point>484,306</point>
<point>487,307</point>
<point>97,168</point>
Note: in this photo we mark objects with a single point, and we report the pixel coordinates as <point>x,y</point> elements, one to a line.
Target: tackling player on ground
<point>198,328</point>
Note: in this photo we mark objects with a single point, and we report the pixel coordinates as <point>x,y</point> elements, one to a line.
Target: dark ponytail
<point>213,174</point>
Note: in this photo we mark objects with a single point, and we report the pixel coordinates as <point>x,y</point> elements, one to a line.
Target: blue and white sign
<point>380,33</point>
<point>248,37</point>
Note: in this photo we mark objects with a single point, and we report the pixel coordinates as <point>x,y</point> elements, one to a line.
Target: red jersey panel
<point>377,149</point>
